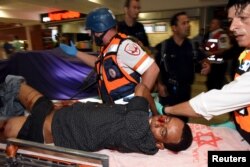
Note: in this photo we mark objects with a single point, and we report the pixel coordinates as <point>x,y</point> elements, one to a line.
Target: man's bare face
<point>134,9</point>
<point>166,129</point>
<point>182,28</point>
<point>240,25</point>
<point>214,24</point>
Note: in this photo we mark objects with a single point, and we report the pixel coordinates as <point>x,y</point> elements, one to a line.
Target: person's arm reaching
<point>231,97</point>
<point>150,75</point>
<point>85,57</point>
<point>181,109</point>
<point>205,67</point>
<point>142,90</point>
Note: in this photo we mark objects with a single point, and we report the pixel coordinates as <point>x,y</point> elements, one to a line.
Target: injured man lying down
<point>90,126</point>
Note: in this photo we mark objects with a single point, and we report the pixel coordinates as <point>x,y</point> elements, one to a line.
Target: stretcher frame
<point>36,154</point>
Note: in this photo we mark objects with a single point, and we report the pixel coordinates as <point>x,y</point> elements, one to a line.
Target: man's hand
<point>162,89</point>
<point>206,67</point>
<point>70,50</point>
<point>63,103</point>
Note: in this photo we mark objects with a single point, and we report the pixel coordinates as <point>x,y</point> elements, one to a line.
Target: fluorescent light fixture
<point>95,1</point>
<point>4,14</point>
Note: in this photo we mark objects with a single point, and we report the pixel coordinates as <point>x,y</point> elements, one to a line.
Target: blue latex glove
<point>70,50</point>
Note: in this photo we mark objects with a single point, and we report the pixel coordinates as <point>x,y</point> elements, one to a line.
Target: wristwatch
<point>163,111</point>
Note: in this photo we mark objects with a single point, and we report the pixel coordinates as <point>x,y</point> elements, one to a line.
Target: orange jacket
<point>242,116</point>
<point>114,83</point>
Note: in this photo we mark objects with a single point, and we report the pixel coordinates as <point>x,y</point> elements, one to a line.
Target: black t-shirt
<point>179,60</point>
<point>8,48</point>
<point>137,30</point>
<point>93,126</point>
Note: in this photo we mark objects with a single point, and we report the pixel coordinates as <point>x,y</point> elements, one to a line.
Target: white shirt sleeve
<point>132,57</point>
<point>233,96</point>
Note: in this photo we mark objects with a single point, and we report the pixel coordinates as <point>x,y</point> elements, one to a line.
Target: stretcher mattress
<point>206,139</point>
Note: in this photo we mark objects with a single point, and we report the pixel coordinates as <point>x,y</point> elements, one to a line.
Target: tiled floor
<point>198,87</point>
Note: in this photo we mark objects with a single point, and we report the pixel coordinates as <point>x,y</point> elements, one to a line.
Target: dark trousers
<point>217,76</point>
<point>180,94</point>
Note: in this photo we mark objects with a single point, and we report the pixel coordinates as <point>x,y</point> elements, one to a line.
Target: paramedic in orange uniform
<point>122,62</point>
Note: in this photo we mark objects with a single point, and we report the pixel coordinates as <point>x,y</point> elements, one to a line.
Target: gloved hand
<point>70,50</point>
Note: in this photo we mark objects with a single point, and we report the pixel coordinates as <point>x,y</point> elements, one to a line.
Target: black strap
<point>164,46</point>
<point>1,103</point>
<point>88,82</point>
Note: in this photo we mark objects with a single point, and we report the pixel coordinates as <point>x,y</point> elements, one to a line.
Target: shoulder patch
<point>132,49</point>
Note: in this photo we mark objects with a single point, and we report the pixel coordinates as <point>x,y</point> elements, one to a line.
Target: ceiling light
<point>95,1</point>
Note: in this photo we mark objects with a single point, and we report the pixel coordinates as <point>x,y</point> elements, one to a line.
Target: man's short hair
<point>174,19</point>
<point>218,20</point>
<point>128,2</point>
<point>186,140</point>
<point>239,4</point>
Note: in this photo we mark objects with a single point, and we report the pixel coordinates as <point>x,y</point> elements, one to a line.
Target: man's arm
<point>143,91</point>
<point>205,66</point>
<point>130,54</point>
<point>150,75</point>
<point>182,109</point>
<point>231,97</point>
<point>161,88</point>
<point>28,96</point>
<point>85,57</point>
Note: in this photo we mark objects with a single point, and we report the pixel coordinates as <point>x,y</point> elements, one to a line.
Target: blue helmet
<point>100,20</point>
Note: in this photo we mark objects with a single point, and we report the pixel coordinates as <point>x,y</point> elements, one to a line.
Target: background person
<point>8,48</point>
<point>215,46</point>
<point>130,25</point>
<point>175,57</point>
<point>17,44</point>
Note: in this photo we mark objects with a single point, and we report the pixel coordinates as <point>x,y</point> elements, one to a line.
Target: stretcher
<point>34,154</point>
<point>16,152</point>
<point>206,138</point>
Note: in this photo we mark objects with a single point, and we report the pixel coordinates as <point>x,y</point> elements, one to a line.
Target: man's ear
<point>125,10</point>
<point>173,27</point>
<point>159,145</point>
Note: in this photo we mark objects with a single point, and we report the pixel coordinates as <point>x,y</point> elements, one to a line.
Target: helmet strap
<point>98,40</point>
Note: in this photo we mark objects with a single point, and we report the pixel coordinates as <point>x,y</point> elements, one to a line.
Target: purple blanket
<point>51,72</point>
